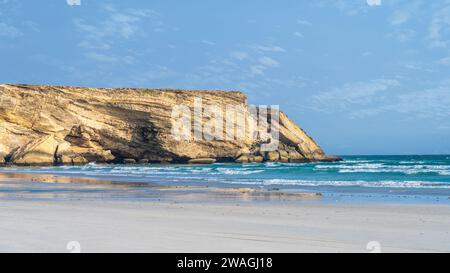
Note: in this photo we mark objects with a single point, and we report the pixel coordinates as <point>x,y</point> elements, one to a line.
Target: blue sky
<point>361,76</point>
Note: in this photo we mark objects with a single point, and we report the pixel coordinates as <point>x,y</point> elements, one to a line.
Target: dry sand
<point>123,226</point>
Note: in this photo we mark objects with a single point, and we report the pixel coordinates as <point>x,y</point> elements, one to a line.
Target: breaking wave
<point>357,183</point>
<point>406,172</point>
<point>385,168</point>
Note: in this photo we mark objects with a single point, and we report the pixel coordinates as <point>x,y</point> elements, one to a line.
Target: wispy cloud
<point>268,48</point>
<point>304,22</point>
<point>53,62</point>
<point>7,28</point>
<point>117,24</point>
<point>433,102</point>
<point>417,66</point>
<point>103,38</point>
<point>208,42</point>
<point>402,35</point>
<point>247,67</point>
<point>445,61</point>
<point>351,94</point>
<point>151,74</point>
<point>240,65</point>
<point>268,62</point>
<point>9,31</point>
<point>399,17</point>
<point>363,99</point>
<point>350,8</point>
<point>239,55</point>
<point>298,34</point>
<point>109,58</point>
<point>439,29</point>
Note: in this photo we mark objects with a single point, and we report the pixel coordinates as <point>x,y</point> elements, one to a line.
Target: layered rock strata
<point>51,125</point>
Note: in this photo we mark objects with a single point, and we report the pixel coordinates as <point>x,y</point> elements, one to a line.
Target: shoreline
<point>52,186</point>
<point>52,210</point>
<point>108,226</point>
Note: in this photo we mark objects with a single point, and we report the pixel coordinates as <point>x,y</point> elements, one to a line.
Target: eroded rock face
<point>38,151</point>
<point>45,125</point>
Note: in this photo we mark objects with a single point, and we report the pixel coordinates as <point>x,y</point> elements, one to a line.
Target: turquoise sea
<point>409,178</point>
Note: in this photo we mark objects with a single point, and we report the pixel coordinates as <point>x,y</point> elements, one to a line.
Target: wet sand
<point>28,186</point>
<point>48,223</point>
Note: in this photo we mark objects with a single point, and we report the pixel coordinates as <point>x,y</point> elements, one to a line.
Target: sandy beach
<point>108,226</point>
<point>46,212</point>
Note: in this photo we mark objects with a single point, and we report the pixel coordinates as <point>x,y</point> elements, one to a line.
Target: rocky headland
<point>52,125</point>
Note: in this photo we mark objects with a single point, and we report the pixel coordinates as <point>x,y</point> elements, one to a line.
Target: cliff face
<point>70,125</point>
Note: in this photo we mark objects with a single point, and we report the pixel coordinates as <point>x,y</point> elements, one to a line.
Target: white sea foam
<point>354,161</point>
<point>238,171</point>
<point>384,168</point>
<point>358,183</point>
<point>411,162</point>
<point>301,174</point>
<point>357,166</point>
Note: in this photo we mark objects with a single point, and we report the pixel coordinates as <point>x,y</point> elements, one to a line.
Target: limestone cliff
<point>47,125</point>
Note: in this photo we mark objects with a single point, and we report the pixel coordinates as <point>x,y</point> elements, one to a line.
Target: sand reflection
<point>50,186</point>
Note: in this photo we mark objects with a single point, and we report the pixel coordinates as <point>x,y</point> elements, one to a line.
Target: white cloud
<point>239,55</point>
<point>97,45</point>
<point>9,31</point>
<point>298,34</point>
<point>351,94</point>
<point>46,60</point>
<point>303,22</point>
<point>418,67</point>
<point>362,99</point>
<point>109,58</point>
<point>31,25</point>
<point>247,70</point>
<point>152,74</point>
<point>112,28</point>
<point>432,102</point>
<point>268,48</point>
<point>445,61</point>
<point>399,17</point>
<point>402,35</point>
<point>256,70</point>
<point>101,57</point>
<point>208,42</point>
<point>116,25</point>
<point>439,29</point>
<point>269,62</point>
<point>350,8</point>
<point>9,28</point>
